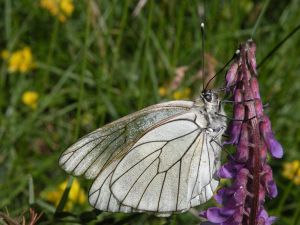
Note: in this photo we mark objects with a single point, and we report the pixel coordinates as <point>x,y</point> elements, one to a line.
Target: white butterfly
<point>161,159</point>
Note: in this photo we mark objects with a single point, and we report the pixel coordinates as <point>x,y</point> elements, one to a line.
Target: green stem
<point>7,15</point>
<point>51,50</point>
<point>283,199</point>
<point>120,36</point>
<point>260,17</point>
<point>296,216</point>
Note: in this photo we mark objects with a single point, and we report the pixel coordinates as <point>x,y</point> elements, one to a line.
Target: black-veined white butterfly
<point>161,159</point>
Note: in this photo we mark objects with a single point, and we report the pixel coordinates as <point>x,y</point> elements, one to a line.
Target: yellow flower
<point>291,170</point>
<point>30,98</point>
<point>58,8</point>
<point>20,60</point>
<point>162,91</point>
<point>67,7</point>
<point>76,195</point>
<point>184,94</point>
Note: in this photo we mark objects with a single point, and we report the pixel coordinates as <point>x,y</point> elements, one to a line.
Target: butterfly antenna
<point>203,63</point>
<point>237,52</point>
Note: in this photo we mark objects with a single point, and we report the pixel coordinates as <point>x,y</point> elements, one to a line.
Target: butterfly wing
<point>208,160</point>
<point>95,151</point>
<point>169,169</point>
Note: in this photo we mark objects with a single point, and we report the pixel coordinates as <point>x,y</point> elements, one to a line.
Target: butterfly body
<point>161,159</point>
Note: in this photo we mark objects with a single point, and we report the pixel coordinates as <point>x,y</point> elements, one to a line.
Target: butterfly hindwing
<point>169,169</point>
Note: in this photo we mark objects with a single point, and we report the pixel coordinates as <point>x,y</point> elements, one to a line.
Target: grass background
<point>104,63</point>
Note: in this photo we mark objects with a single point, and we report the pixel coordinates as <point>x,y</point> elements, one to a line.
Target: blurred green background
<point>68,67</point>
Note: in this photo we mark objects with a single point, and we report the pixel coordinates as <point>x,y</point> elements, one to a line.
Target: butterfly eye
<point>208,97</point>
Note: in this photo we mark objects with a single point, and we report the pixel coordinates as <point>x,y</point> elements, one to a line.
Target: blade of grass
<point>53,41</point>
<point>31,190</point>
<point>7,20</point>
<point>64,198</point>
<point>296,216</point>
<point>258,21</point>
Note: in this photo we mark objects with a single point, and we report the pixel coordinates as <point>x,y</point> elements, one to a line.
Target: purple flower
<point>264,219</point>
<point>229,170</point>
<point>251,134</point>
<point>268,182</point>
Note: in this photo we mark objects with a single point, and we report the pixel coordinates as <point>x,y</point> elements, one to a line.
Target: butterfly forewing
<point>93,152</point>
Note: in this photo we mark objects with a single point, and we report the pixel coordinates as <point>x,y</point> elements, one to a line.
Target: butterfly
<point>161,159</point>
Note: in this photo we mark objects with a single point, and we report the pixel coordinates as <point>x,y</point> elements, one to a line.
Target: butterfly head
<point>209,97</point>
<point>210,100</point>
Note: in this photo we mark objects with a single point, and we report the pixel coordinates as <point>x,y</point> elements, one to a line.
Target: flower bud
<point>273,145</point>
<point>231,75</point>
<point>242,152</point>
<point>255,87</point>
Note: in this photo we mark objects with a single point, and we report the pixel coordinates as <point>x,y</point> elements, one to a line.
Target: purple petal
<point>235,130</point>
<point>229,170</point>
<point>264,218</point>
<point>268,182</point>
<point>242,177</point>
<point>238,96</point>
<point>259,108</point>
<point>214,215</point>
<point>248,95</point>
<point>239,112</point>
<point>235,127</point>
<point>251,55</point>
<point>221,193</point>
<point>272,189</point>
<point>274,146</point>
<point>262,194</point>
<point>263,151</point>
<point>240,195</point>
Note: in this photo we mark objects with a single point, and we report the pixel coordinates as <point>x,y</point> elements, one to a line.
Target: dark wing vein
<point>178,185</point>
<point>161,190</point>
<point>99,190</point>
<point>199,163</point>
<point>146,188</point>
